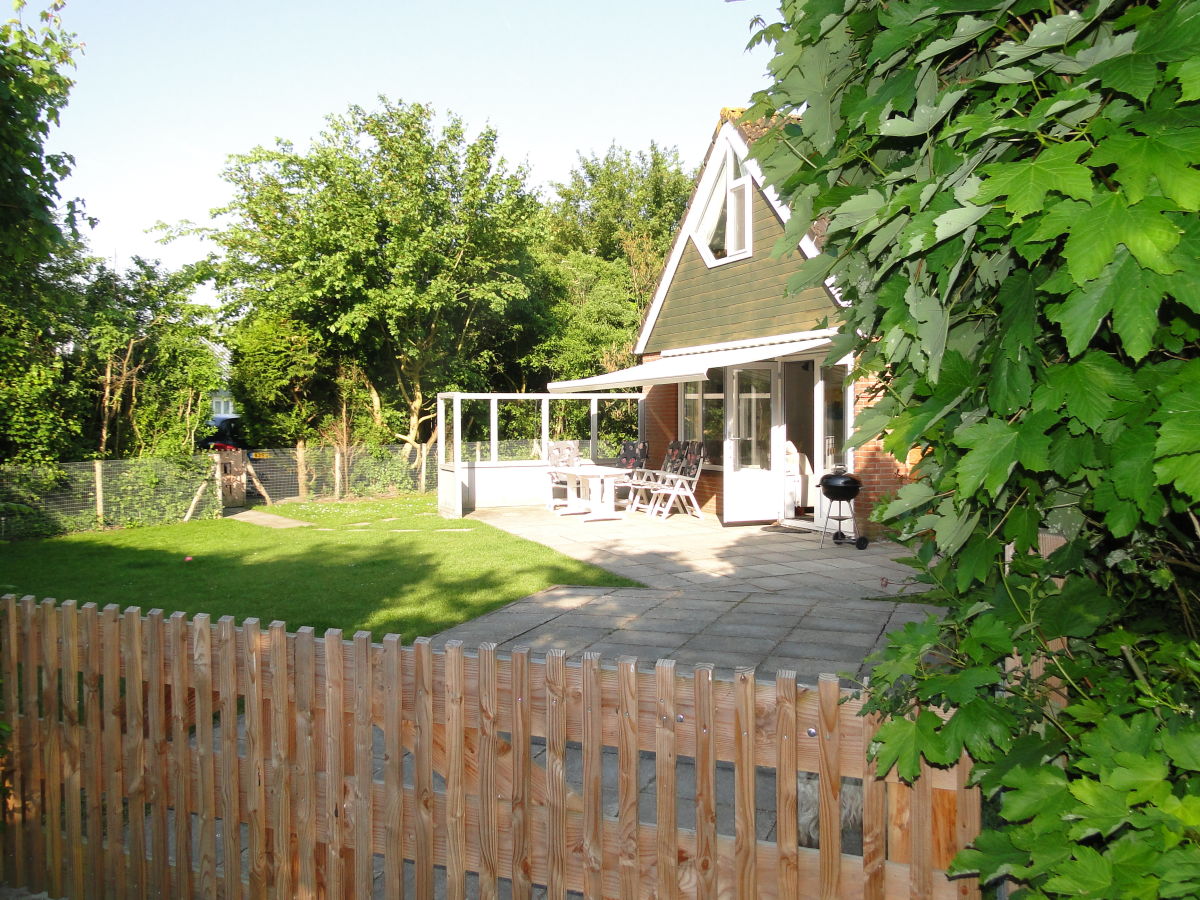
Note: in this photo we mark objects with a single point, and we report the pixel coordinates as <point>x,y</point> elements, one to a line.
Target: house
<point>727,356</point>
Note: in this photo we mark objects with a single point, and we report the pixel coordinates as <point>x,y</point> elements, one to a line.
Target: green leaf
<point>909,497</point>
<point>1133,74</point>
<point>1089,387</point>
<point>1076,611</point>
<point>1142,228</point>
<point>924,118</point>
<point>958,220</point>
<point>953,528</point>
<point>990,460</point>
<point>1010,385</point>
<point>1165,158</point>
<point>1087,873</point>
<point>967,29</point>
<point>1026,183</point>
<point>1183,747</point>
<point>961,686</point>
<point>1188,73</point>
<point>1106,808</point>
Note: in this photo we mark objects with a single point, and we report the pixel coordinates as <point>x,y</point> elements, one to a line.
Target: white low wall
<point>487,485</point>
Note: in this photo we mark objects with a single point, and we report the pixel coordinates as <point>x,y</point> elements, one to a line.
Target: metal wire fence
<point>87,496</point>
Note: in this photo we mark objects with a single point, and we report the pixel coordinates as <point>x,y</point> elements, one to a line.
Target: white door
<point>754,440</point>
<point>833,421</point>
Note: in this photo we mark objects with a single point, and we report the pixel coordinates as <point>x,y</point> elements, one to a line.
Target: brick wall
<point>882,475</point>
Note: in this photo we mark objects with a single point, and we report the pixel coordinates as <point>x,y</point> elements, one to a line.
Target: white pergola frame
<point>464,485</point>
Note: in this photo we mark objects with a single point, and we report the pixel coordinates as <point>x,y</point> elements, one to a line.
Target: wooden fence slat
<point>364,682</point>
<point>14,833</point>
<point>229,791</point>
<point>393,766</point>
<point>522,862</point>
<point>158,749</point>
<point>306,769</point>
<point>489,801</point>
<point>92,763</point>
<point>281,754</point>
<point>423,738</point>
<point>629,865</point>
<point>33,734</point>
<point>135,748</point>
<point>593,785</point>
<point>874,822</point>
<point>72,748</point>
<point>51,748</point>
<point>206,806</point>
<point>181,756</point>
<point>256,752</point>
<point>829,807</point>
<point>667,864</point>
<point>744,776</point>
<point>335,774</point>
<point>706,783</point>
<point>786,838</point>
<point>456,800</point>
<point>556,772</point>
<point>968,812</point>
<point>920,866</point>
<point>114,783</point>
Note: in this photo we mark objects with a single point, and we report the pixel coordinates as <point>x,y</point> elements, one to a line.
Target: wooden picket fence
<point>137,742</point>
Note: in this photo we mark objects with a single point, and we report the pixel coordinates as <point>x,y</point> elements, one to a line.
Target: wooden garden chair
<point>679,489</point>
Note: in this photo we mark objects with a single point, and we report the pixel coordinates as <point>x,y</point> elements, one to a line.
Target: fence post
<point>98,470</point>
<point>337,473</point>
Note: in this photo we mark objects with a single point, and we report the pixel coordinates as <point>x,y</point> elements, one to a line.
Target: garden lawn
<point>386,566</point>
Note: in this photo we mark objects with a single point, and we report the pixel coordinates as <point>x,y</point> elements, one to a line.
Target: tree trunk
<point>302,469</point>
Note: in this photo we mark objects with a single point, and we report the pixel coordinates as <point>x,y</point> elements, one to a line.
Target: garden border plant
<point>1011,194</point>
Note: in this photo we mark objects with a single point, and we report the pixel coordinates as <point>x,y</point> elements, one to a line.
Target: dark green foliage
<point>1012,194</point>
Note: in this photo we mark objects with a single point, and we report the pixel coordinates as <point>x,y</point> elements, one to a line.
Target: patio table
<point>591,491</point>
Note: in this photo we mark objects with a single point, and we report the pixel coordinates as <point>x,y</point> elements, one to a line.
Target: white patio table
<point>591,491</point>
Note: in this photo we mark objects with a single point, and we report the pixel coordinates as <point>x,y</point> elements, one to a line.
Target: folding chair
<point>643,482</point>
<point>560,454</point>
<point>679,489</point>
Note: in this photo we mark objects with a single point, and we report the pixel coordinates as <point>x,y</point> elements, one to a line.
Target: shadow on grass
<point>377,583</point>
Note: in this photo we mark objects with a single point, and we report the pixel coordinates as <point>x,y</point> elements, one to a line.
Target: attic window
<point>724,230</point>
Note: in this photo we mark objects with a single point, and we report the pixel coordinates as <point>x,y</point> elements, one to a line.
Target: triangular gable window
<point>723,234</point>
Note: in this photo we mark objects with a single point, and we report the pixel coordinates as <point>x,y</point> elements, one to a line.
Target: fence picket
<point>334,761</point>
<point>489,805</point>
<point>363,777</point>
<point>72,758</point>
<point>256,787</point>
<point>158,749</point>
<point>667,864</point>
<point>206,880</point>
<point>455,773</point>
<point>968,819</point>
<point>920,867</point>
<point>593,793</point>
<point>15,811</point>
<point>229,807</point>
<point>51,748</point>
<point>93,769</point>
<point>393,766</point>
<point>829,808</point>
<point>786,838</point>
<point>423,737</point>
<point>114,785</point>
<point>706,783</point>
<point>181,756</point>
<point>745,822</point>
<point>522,863</point>
<point>629,864</point>
<point>556,772</point>
<point>874,858</point>
<point>306,770</point>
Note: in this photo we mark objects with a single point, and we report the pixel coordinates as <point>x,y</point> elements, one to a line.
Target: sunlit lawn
<point>388,566</point>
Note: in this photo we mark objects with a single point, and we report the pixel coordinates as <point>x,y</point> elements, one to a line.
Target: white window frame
<point>681,403</point>
<point>736,195</point>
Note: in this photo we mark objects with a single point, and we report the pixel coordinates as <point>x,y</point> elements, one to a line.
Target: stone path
<point>265,519</point>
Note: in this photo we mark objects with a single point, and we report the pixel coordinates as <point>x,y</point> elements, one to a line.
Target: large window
<point>702,415</point>
<point>724,229</point>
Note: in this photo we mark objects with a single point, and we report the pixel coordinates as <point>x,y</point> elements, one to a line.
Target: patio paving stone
<point>729,644</point>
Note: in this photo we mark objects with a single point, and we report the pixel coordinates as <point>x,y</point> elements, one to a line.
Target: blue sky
<point>165,91</point>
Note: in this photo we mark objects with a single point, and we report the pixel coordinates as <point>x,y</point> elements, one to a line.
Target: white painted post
<point>441,427</point>
<point>594,416</point>
<point>545,428</point>
<point>494,429</point>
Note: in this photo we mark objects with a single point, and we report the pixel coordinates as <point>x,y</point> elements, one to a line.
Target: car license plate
<point>260,454</point>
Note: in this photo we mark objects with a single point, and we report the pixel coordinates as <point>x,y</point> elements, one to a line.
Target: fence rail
<point>357,769</point>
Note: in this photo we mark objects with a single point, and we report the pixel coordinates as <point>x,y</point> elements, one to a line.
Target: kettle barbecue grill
<point>840,487</point>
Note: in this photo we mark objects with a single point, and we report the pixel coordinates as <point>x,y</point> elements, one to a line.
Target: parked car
<point>227,434</point>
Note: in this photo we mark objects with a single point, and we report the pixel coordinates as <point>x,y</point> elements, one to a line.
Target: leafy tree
<point>623,206</point>
<point>1012,189</point>
<point>406,249</point>
<point>33,89</point>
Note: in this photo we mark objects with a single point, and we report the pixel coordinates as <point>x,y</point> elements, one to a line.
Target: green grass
<point>414,575</point>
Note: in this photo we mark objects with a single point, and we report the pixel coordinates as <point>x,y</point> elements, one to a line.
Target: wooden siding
<point>738,300</point>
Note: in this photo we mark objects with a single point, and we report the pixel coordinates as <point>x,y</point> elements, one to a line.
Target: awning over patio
<point>686,366</point>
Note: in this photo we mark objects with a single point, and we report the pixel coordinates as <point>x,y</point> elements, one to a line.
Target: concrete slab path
<point>265,519</point>
<point>742,596</point>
